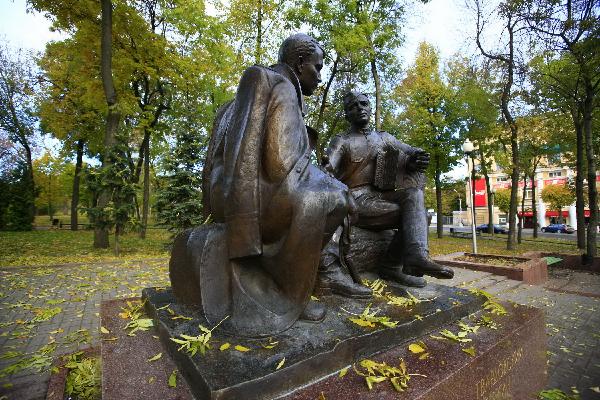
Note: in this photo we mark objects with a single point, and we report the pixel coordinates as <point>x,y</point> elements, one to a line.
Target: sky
<point>440,22</point>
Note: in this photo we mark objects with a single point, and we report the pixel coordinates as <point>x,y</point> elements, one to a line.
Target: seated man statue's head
<point>304,55</point>
<point>357,108</point>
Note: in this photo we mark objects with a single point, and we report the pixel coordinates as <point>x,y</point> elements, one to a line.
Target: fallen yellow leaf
<point>224,346</point>
<point>415,348</point>
<point>470,351</point>
<point>241,348</point>
<point>173,379</point>
<point>154,358</point>
<point>343,372</point>
<point>280,363</point>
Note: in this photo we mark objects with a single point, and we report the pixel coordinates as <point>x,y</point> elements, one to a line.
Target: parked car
<point>558,228</point>
<point>497,228</point>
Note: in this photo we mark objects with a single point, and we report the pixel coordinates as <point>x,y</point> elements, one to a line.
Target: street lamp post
<point>460,210</point>
<point>468,149</point>
<point>493,199</point>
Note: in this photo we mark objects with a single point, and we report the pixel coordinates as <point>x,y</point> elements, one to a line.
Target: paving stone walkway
<point>49,311</point>
<point>572,321</point>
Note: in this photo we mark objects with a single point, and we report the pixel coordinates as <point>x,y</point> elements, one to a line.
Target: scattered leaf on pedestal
<point>173,379</point>
<point>154,358</point>
<point>280,363</point>
<point>343,372</point>
<point>224,346</point>
<point>470,351</point>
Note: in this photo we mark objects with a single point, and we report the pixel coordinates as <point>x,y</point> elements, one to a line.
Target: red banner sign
<point>508,184</point>
<point>555,181</point>
<point>480,193</point>
<point>555,213</point>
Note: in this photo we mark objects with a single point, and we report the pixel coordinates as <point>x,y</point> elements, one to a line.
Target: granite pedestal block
<point>126,371</point>
<point>311,351</point>
<point>367,248</point>
<point>509,363</point>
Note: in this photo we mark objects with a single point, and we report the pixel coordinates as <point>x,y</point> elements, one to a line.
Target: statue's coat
<point>277,208</point>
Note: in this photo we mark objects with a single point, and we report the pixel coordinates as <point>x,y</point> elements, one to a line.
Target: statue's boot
<point>395,274</point>
<point>332,279</point>
<point>425,266</point>
<point>392,269</point>
<point>314,312</point>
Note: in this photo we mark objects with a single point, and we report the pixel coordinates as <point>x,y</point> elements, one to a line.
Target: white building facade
<point>544,176</point>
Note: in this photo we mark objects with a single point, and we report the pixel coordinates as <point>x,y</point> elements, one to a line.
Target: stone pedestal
<point>510,361</point>
<point>367,248</point>
<point>311,351</point>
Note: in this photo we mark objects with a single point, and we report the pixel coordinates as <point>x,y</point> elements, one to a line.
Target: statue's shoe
<point>425,266</point>
<point>314,312</point>
<point>334,280</point>
<point>343,287</point>
<point>396,275</point>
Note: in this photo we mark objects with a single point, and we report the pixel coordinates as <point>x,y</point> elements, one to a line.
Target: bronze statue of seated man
<point>386,180</point>
<point>273,210</point>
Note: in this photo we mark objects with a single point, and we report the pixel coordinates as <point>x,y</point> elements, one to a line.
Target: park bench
<point>68,226</point>
<point>463,234</point>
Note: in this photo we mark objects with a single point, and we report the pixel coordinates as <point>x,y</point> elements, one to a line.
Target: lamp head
<point>468,146</point>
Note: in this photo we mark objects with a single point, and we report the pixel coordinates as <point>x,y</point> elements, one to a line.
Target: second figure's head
<point>357,108</point>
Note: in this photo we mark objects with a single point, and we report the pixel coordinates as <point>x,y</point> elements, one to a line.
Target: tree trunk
<point>76,180</point>
<point>334,70</point>
<point>488,187</point>
<point>377,94</point>
<point>31,182</point>
<point>50,208</point>
<point>509,61</point>
<point>146,198</point>
<point>112,120</point>
<point>592,229</point>
<point>579,187</point>
<point>522,217</point>
<point>117,249</point>
<point>438,198</point>
<point>533,203</point>
<point>258,49</point>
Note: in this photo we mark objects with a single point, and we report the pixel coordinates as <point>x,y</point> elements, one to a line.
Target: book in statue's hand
<point>386,168</point>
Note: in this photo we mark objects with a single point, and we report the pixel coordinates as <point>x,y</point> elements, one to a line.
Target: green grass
<point>60,246</point>
<point>498,245</point>
<point>44,220</point>
<point>47,247</point>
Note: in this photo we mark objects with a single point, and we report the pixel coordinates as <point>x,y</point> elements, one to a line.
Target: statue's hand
<point>418,161</point>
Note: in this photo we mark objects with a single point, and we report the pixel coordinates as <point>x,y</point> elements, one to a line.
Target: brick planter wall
<point>570,261</point>
<point>533,271</point>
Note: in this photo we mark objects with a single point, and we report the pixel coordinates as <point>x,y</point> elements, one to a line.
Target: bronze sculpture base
<point>311,351</point>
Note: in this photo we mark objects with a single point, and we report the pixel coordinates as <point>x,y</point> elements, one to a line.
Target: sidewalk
<point>571,300</point>
<point>69,298</point>
<point>64,304</point>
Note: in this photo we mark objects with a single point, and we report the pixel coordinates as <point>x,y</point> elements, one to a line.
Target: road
<point>526,233</point>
